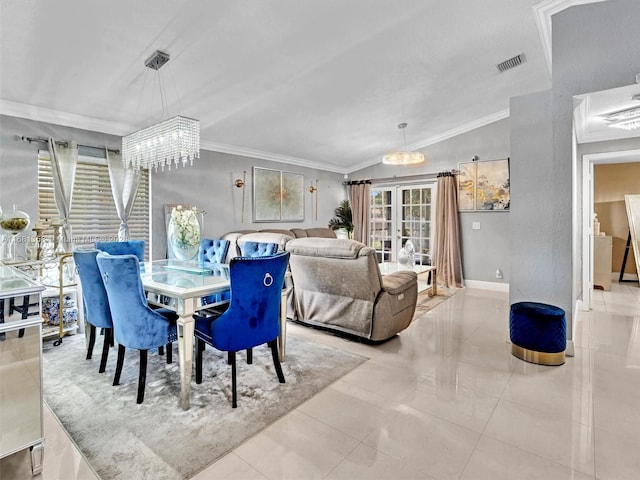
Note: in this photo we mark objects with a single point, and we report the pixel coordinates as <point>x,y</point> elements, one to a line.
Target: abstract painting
<point>466,186</point>
<point>484,186</point>
<point>492,185</point>
<point>277,196</point>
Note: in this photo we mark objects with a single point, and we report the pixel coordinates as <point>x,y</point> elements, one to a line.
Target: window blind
<point>93,214</point>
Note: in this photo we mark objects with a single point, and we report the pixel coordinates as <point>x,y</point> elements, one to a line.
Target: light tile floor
<point>446,400</point>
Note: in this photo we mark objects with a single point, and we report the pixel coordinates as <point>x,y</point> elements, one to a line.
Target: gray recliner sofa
<point>279,237</point>
<point>338,286</point>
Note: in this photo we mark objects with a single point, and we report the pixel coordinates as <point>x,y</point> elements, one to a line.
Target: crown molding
<point>467,127</point>
<point>543,12</point>
<point>66,119</point>
<point>273,157</point>
<point>47,115</point>
<point>41,114</point>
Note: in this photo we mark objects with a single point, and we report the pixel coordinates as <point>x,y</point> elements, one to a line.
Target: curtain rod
<point>405,178</point>
<point>65,143</point>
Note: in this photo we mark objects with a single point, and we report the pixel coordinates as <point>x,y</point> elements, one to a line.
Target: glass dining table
<point>179,286</point>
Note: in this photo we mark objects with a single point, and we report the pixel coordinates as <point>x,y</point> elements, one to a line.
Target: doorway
<point>588,211</point>
<point>402,213</point>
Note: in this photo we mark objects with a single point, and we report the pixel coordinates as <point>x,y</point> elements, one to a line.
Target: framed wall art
<point>466,186</point>
<point>484,186</point>
<point>277,196</point>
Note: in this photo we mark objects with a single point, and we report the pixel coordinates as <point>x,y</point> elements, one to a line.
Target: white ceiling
<point>315,82</point>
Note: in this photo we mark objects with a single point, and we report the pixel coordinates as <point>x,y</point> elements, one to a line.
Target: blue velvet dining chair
<point>129,247</point>
<point>135,324</point>
<point>96,305</point>
<point>258,249</point>
<point>253,316</point>
<point>133,247</point>
<point>213,252</point>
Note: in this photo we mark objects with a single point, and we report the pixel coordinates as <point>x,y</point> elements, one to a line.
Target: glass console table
<point>21,423</point>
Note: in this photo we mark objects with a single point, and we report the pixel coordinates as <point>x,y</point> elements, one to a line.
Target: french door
<point>401,213</point>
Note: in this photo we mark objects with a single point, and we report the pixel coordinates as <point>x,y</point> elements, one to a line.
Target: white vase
<point>183,237</point>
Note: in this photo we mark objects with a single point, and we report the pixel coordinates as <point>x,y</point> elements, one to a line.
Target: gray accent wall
<point>535,219</point>
<point>19,160</point>
<point>595,47</point>
<point>485,250</point>
<point>209,183</point>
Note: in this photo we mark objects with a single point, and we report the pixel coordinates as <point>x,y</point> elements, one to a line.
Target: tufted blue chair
<point>258,249</point>
<point>135,325</point>
<point>212,252</point>
<point>94,299</point>
<point>253,316</point>
<point>133,247</point>
<point>130,247</point>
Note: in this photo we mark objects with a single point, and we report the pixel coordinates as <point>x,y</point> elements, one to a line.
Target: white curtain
<point>124,186</point>
<point>359,196</point>
<point>63,168</point>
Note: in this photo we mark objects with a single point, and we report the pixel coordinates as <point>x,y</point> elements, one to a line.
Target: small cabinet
<point>602,252</point>
<point>21,367</point>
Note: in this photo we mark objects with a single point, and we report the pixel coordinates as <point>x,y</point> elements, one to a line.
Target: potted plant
<point>343,219</point>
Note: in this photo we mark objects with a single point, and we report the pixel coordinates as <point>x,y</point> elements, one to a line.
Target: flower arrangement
<point>187,227</point>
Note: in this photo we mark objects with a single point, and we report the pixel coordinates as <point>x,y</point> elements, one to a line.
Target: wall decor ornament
<point>484,186</point>
<point>277,196</point>
<point>241,183</point>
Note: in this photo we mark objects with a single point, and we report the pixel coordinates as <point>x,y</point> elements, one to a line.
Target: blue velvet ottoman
<point>538,333</point>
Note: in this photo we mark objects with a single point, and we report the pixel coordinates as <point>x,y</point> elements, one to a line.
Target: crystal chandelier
<point>176,140</point>
<point>403,157</point>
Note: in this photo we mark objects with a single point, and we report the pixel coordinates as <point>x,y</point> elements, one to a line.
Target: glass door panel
<point>416,220</point>
<point>399,214</point>
<point>381,223</point>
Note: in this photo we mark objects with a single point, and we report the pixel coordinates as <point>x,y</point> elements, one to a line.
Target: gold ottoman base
<point>541,358</point>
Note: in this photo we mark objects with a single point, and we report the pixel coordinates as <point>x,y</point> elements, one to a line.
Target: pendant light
<point>403,157</point>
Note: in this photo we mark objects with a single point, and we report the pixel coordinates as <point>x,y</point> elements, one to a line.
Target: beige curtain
<point>63,169</point>
<point>124,186</point>
<point>359,197</point>
<point>448,258</point>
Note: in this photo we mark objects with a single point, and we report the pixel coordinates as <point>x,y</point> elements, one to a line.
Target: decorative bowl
<point>15,222</point>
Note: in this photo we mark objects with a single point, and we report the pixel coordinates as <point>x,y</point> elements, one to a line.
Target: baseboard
<point>493,286</point>
<point>570,351</point>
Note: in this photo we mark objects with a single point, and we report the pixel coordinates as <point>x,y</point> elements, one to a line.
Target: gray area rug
<point>157,439</point>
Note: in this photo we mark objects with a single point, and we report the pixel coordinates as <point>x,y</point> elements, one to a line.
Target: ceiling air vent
<point>511,63</point>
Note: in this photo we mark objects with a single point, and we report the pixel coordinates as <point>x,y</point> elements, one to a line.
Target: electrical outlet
<point>475,225</point>
<point>498,273</point>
